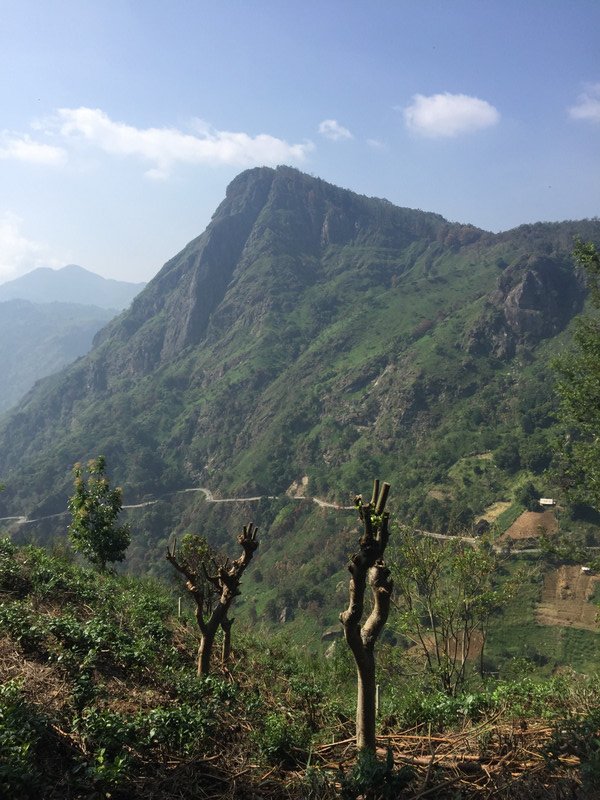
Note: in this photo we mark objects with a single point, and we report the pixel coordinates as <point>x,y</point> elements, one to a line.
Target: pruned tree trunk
<point>367,567</point>
<point>208,631</point>
<point>204,654</point>
<point>226,582</point>
<point>226,652</point>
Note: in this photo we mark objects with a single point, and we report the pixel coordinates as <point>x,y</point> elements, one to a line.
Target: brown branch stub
<point>248,541</point>
<point>375,494</point>
<point>382,499</point>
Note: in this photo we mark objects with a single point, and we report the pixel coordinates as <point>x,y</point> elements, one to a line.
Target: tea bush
<point>283,741</point>
<point>21,730</point>
<point>373,779</point>
<point>579,736</point>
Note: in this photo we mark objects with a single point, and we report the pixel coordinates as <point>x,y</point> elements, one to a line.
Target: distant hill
<point>71,284</point>
<point>39,339</point>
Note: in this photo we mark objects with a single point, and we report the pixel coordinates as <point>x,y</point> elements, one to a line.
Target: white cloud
<point>331,129</point>
<point>24,148</point>
<point>166,147</point>
<point>376,144</point>
<point>447,115</point>
<point>17,253</point>
<point>588,104</point>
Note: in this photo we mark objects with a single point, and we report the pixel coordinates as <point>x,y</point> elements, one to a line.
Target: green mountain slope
<point>39,339</point>
<point>310,331</point>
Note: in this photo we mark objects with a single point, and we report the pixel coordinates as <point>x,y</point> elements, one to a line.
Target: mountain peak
<point>309,330</point>
<point>70,284</point>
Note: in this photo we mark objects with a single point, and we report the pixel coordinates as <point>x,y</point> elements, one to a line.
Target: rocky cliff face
<point>174,310</point>
<point>263,247</point>
<point>535,299</point>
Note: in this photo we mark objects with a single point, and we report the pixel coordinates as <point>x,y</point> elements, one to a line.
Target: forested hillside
<point>48,318</point>
<point>313,334</point>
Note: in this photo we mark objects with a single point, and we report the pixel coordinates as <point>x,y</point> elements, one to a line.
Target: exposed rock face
<point>174,312</point>
<point>535,298</point>
<point>329,634</point>
<point>212,284</point>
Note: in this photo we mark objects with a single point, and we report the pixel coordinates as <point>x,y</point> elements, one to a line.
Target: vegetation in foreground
<point>99,698</point>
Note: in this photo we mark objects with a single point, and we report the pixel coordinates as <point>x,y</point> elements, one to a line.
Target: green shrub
<point>21,729</point>
<point>23,626</point>
<point>530,698</point>
<point>105,730</point>
<point>415,706</point>
<point>372,779</point>
<point>12,579</point>
<point>283,741</point>
<point>311,700</point>
<point>180,728</point>
<point>104,771</point>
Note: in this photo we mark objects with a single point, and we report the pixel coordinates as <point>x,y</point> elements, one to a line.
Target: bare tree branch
<point>226,582</point>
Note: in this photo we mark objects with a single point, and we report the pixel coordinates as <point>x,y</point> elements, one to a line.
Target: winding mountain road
<point>210,498</point>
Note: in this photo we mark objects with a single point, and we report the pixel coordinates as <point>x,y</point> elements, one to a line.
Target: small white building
<point>547,502</point>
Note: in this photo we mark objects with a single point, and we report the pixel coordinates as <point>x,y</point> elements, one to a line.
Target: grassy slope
<point>98,698</point>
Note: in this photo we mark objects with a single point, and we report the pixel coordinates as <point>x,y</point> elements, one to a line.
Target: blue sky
<point>123,122</point>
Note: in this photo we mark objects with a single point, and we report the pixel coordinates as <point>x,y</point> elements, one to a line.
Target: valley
<point>48,319</point>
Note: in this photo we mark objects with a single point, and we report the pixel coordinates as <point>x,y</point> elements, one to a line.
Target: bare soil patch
<point>566,599</point>
<point>39,680</point>
<point>297,489</point>
<point>453,647</point>
<point>437,494</point>
<point>530,525</point>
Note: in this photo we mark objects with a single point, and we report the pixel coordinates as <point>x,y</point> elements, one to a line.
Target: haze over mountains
<point>70,284</point>
<point>48,318</point>
<point>312,332</point>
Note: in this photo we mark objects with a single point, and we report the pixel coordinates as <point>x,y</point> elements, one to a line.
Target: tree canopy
<point>94,509</point>
<point>579,391</point>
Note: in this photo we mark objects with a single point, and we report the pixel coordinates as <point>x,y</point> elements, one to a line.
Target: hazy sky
<point>122,122</point>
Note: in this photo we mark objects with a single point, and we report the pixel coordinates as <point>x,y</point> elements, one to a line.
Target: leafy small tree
<point>528,496</point>
<point>579,392</point>
<point>447,593</point>
<point>94,509</point>
<point>368,567</point>
<point>223,583</point>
